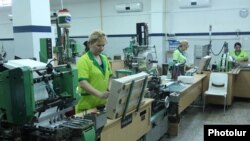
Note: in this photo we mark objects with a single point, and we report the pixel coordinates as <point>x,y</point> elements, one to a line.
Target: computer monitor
<point>204,63</point>
<point>126,94</point>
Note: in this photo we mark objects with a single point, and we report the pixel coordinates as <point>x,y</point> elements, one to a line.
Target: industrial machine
<point>159,110</point>
<point>2,55</point>
<point>66,49</point>
<point>45,52</point>
<point>35,101</point>
<point>226,63</point>
<point>139,55</point>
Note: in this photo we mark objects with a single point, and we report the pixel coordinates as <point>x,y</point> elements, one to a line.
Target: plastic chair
<point>217,87</point>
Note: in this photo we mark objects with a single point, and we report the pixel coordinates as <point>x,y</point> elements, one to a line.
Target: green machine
<point>139,55</point>
<point>66,49</point>
<point>45,50</point>
<point>36,100</point>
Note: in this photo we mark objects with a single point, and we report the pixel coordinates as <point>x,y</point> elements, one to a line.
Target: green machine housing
<point>17,102</point>
<point>45,52</point>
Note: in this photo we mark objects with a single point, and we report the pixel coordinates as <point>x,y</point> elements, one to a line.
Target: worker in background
<point>86,49</point>
<point>179,60</point>
<point>94,74</point>
<point>179,55</point>
<point>238,54</point>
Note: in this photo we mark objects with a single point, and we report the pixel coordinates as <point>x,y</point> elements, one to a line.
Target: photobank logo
<point>211,132</point>
<point>215,132</point>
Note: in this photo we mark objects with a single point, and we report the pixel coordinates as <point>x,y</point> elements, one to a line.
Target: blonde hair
<point>95,36</point>
<point>183,42</point>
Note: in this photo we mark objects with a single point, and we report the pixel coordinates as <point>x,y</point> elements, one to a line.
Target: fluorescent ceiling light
<point>4,3</point>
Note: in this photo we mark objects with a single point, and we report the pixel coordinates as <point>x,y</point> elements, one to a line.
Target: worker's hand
<point>104,95</point>
<point>243,60</point>
<point>240,60</point>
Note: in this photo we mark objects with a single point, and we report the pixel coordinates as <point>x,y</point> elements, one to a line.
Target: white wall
<point>89,16</point>
<point>6,30</point>
<point>93,15</point>
<point>223,15</point>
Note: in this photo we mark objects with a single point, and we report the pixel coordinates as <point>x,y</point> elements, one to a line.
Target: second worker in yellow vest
<point>179,55</point>
<point>238,54</point>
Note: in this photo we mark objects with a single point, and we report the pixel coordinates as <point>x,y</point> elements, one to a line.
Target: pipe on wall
<point>101,18</point>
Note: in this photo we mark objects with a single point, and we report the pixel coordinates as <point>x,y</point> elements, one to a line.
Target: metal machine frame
<point>24,116</point>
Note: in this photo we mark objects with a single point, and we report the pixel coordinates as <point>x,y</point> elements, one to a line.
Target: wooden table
<point>191,92</point>
<point>139,126</point>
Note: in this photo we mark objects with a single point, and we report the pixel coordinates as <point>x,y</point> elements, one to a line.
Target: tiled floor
<point>193,119</point>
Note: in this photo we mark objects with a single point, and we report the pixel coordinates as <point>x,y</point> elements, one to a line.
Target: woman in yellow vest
<point>238,54</point>
<point>94,74</point>
<point>179,55</point>
<point>179,60</point>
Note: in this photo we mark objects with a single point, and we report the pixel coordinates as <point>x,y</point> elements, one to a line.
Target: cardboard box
<point>119,99</point>
<point>116,64</point>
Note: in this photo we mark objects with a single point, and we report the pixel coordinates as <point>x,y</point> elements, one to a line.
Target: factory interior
<point>124,70</point>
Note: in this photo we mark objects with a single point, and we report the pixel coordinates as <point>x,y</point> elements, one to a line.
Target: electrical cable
<point>216,54</point>
<point>210,44</point>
